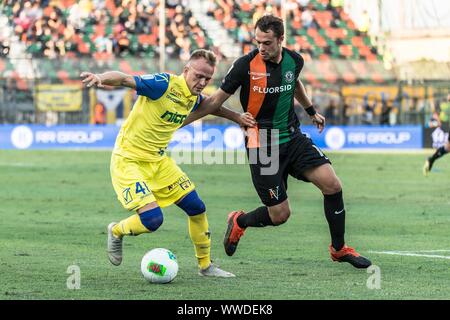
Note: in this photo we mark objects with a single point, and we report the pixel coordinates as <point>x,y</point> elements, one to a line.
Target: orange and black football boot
<point>233,233</point>
<point>348,254</point>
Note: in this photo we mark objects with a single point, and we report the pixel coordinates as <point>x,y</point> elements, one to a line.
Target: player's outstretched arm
<point>213,105</point>
<point>110,78</point>
<point>209,105</point>
<point>303,99</point>
<point>243,119</point>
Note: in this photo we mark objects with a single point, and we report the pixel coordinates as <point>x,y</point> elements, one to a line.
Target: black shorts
<point>270,173</point>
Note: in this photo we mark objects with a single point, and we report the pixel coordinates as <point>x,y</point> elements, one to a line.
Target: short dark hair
<point>270,22</point>
<point>208,55</point>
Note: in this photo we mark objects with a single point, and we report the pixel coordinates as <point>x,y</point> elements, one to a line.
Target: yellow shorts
<point>138,183</point>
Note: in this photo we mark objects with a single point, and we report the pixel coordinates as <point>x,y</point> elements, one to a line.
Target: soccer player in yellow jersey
<point>144,178</point>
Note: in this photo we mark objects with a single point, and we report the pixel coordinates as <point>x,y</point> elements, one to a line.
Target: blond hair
<point>208,55</point>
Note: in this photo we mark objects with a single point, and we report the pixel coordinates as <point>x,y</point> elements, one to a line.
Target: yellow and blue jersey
<point>163,104</point>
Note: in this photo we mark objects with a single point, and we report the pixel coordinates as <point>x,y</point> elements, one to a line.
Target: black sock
<point>439,153</point>
<point>256,218</point>
<point>335,214</point>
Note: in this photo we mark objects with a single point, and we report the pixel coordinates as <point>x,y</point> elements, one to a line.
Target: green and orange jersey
<point>267,90</point>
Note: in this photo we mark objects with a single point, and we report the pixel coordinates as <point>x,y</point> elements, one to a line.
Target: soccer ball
<point>159,266</point>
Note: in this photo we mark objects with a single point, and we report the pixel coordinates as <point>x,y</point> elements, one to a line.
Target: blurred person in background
<point>440,152</point>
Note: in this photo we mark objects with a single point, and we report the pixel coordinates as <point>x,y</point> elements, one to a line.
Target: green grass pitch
<point>55,206</point>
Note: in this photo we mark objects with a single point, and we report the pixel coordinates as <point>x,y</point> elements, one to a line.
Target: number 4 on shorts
<point>140,189</point>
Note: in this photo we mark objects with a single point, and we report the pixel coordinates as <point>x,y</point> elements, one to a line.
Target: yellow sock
<point>131,226</point>
<point>200,236</point>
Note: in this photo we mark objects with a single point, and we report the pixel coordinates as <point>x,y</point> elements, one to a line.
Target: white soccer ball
<point>159,266</point>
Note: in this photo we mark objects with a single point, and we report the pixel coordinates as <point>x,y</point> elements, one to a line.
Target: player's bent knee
<point>280,217</point>
<point>192,204</point>
<point>336,187</point>
<point>152,219</point>
<point>332,187</point>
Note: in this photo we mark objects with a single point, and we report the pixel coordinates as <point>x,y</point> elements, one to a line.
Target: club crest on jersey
<point>274,193</point>
<point>126,193</point>
<point>289,76</point>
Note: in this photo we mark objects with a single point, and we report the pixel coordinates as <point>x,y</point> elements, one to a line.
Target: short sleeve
<point>299,62</point>
<point>197,103</point>
<point>236,75</point>
<point>152,86</point>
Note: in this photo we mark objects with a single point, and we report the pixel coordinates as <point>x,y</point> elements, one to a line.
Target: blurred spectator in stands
<point>211,8</point>
<point>368,111</point>
<point>337,3</point>
<point>123,43</point>
<point>435,120</point>
<point>393,114</point>
<point>444,115</point>
<point>260,10</point>
<point>244,36</point>
<point>86,7</point>
<point>386,109</point>
<point>24,19</point>
<point>51,118</point>
<point>345,113</point>
<point>174,3</point>
<point>353,112</point>
<point>336,7</point>
<point>331,112</point>
<point>75,19</point>
<point>303,3</point>
<point>9,88</point>
<point>99,114</point>
<point>307,18</point>
<point>185,49</point>
<point>291,5</point>
<point>5,36</point>
<point>4,48</point>
<point>35,12</point>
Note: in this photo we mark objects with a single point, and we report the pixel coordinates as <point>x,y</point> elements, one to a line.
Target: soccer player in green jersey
<point>269,80</point>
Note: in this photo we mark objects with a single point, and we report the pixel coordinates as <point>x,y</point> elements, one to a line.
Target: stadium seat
<point>349,77</point>
<point>346,51</point>
<point>357,42</point>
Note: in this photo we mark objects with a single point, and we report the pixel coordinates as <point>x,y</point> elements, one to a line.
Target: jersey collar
<point>187,93</point>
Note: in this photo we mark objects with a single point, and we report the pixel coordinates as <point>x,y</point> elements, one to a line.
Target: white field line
<point>413,251</point>
<point>412,254</point>
<point>17,164</point>
<point>381,151</point>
